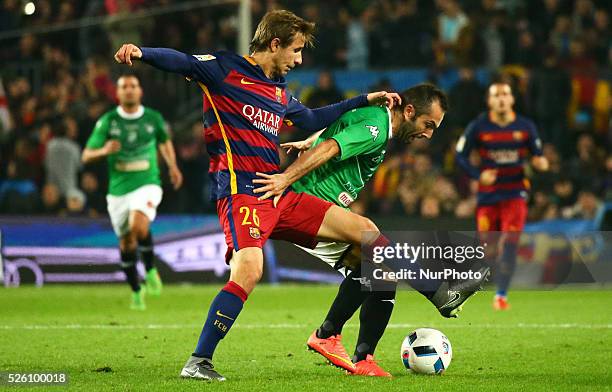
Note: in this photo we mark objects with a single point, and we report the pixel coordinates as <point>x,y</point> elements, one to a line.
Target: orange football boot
<point>332,349</point>
<point>369,367</point>
<point>500,303</point>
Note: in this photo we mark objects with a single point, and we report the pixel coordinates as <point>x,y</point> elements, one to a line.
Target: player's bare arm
<point>275,184</point>
<point>301,145</point>
<point>90,154</point>
<point>167,151</point>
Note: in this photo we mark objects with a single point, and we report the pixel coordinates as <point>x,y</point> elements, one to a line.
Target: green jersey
<point>135,164</point>
<point>362,136</point>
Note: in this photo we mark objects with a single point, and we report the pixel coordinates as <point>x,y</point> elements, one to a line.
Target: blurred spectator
<point>599,36</point>
<point>549,93</point>
<point>542,207</point>
<point>560,35</point>
<point>96,202</point>
<point>98,81</point>
<point>527,53</point>
<point>51,203</point>
<point>466,99</point>
<point>28,48</point>
<point>450,23</point>
<point>63,161</point>
<point>493,38</point>
<point>357,41</point>
<point>193,161</point>
<point>542,16</point>
<point>325,92</point>
<point>586,207</point>
<point>585,168</point>
<point>18,193</point>
<point>564,192</point>
<point>75,204</point>
<point>430,207</point>
<point>608,179</point>
<point>582,17</point>
<point>10,15</point>
<point>466,208</point>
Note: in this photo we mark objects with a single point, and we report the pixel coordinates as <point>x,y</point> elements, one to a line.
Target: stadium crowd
<point>557,55</point>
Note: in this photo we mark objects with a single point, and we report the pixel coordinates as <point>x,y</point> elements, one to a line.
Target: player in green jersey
<point>128,137</point>
<point>338,163</point>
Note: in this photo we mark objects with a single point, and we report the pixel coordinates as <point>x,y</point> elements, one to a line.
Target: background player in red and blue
<point>245,104</point>
<point>504,141</point>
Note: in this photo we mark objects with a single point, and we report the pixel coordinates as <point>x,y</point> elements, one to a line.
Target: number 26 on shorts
<point>248,214</point>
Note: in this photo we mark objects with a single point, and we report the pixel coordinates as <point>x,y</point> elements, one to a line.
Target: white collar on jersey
<point>130,116</point>
<point>390,125</point>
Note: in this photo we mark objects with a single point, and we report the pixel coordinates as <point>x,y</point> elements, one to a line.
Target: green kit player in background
<point>128,137</point>
<point>339,162</point>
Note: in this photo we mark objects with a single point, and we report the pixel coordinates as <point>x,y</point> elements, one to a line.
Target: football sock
<point>128,265</point>
<point>350,296</point>
<point>145,247</point>
<point>223,311</point>
<point>426,287</point>
<point>505,267</point>
<point>373,319</point>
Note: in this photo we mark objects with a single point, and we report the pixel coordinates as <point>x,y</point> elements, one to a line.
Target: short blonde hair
<point>284,25</point>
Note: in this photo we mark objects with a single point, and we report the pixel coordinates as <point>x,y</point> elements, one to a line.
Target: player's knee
<point>246,271</point>
<point>254,276</point>
<point>368,225</point>
<point>139,230</point>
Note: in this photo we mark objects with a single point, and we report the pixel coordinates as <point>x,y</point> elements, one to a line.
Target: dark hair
<point>422,96</point>
<point>281,24</point>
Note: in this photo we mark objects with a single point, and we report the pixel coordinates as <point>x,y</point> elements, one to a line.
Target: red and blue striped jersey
<point>503,148</point>
<point>243,112</point>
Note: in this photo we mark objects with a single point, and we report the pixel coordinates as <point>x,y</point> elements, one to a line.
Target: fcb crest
<point>279,95</point>
<point>254,233</point>
<point>517,135</point>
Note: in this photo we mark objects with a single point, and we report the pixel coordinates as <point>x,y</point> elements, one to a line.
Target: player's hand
<point>540,163</point>
<point>126,53</point>
<point>488,177</point>
<point>299,146</point>
<point>273,185</point>
<point>111,147</point>
<point>176,177</point>
<point>384,98</point>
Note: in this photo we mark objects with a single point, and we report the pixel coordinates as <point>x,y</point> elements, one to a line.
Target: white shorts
<point>144,199</point>
<point>329,252</point>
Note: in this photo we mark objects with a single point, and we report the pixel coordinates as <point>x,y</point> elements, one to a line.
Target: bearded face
<point>418,125</point>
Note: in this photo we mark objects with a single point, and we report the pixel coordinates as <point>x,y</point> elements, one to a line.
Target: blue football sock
<point>505,267</point>
<point>222,314</point>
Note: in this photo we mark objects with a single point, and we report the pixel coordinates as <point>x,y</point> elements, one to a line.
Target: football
<point>426,351</point>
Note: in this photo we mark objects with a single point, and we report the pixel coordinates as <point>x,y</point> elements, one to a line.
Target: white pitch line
<point>302,326</point>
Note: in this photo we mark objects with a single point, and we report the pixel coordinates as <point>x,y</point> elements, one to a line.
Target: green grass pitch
<point>548,341</point>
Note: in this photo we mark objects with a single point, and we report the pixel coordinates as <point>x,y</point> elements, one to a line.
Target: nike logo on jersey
<point>242,81</point>
<point>388,300</point>
<point>222,315</point>
<point>373,130</point>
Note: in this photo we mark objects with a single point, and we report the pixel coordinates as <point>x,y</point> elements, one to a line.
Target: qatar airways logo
<point>262,119</point>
